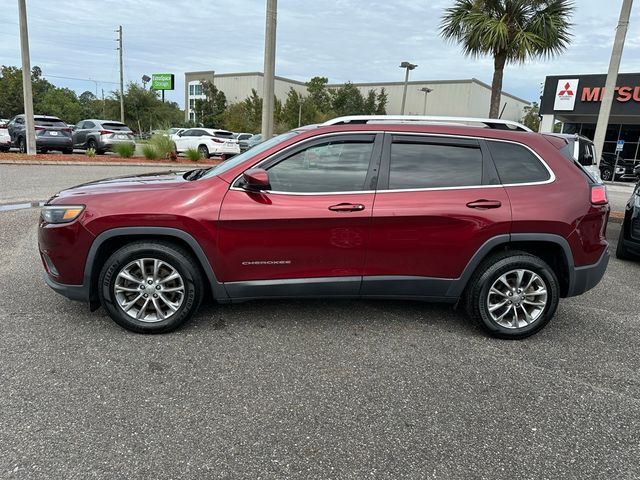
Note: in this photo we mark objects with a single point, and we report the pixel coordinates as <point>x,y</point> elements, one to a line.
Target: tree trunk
<point>499,62</point>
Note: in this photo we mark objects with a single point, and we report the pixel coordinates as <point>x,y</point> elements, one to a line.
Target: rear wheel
<point>513,295</point>
<point>67,151</point>
<point>204,151</point>
<point>22,145</point>
<point>151,287</point>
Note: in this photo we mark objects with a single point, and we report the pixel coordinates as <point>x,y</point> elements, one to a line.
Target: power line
<point>76,78</point>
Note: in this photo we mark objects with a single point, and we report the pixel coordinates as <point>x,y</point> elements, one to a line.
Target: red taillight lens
<point>217,140</point>
<point>66,130</point>
<point>599,195</point>
<point>39,128</point>
<point>105,132</point>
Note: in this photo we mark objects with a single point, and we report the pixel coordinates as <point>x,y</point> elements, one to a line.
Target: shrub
<point>150,152</point>
<point>163,145</point>
<point>193,154</point>
<point>91,152</point>
<point>124,150</point>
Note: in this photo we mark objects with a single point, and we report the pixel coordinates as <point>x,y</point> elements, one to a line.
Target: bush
<point>164,145</point>
<point>150,152</point>
<point>91,152</point>
<point>125,150</point>
<point>193,154</point>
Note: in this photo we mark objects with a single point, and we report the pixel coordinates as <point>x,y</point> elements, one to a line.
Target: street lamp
<point>426,91</point>
<point>145,79</point>
<point>408,66</point>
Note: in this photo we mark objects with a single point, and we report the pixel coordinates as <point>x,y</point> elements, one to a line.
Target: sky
<point>344,40</point>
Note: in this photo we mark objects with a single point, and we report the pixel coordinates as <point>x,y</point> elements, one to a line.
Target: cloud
<point>355,40</point>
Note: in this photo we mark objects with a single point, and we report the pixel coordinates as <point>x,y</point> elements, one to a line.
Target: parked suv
<point>101,135</point>
<point>495,219</point>
<point>628,247</point>
<point>51,134</point>
<point>624,168</point>
<point>207,141</point>
<point>581,149</point>
<point>5,138</point>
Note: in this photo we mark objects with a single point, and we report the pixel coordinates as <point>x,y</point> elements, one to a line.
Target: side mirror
<point>256,180</point>
<point>180,134</point>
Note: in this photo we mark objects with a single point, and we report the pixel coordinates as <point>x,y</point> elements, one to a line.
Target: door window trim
<point>372,173</point>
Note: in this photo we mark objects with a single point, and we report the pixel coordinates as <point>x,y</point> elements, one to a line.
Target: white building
<point>467,98</point>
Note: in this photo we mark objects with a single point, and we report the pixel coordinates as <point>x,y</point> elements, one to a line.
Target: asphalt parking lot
<point>307,389</point>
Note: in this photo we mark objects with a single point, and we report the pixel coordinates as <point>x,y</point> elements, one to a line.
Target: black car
<point>623,171</point>
<point>51,134</point>
<point>629,240</point>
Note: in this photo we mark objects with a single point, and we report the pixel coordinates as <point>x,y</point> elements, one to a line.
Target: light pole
<point>408,66</point>
<point>269,69</point>
<point>426,91</point>
<point>612,78</point>
<point>30,145</point>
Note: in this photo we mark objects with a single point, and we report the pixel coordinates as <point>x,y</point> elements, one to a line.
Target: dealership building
<point>575,101</point>
<point>464,98</point>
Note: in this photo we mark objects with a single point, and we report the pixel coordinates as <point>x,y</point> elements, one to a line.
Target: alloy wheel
<point>517,299</point>
<point>149,290</point>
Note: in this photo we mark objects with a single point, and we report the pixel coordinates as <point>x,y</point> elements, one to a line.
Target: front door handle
<point>484,204</point>
<point>347,207</point>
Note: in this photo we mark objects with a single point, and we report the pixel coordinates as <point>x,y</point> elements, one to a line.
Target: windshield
<point>243,157</point>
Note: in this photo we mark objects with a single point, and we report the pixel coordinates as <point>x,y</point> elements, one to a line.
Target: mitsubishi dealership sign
<point>566,94</point>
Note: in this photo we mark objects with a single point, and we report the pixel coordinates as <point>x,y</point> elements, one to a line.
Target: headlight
<point>61,213</point>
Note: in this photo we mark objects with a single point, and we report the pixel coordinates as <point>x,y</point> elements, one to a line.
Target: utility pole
<point>612,78</point>
<point>426,91</point>
<point>26,79</point>
<point>119,40</point>
<point>408,66</point>
<point>269,69</point>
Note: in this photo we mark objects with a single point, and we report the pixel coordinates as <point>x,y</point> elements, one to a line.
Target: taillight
<point>66,130</point>
<point>217,140</point>
<point>599,195</point>
<point>105,132</point>
<point>39,128</point>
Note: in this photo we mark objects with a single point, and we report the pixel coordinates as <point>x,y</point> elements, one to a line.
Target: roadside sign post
<point>162,82</point>
<point>619,147</point>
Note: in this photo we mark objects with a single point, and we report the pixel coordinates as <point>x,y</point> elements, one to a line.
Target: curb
<point>104,164</point>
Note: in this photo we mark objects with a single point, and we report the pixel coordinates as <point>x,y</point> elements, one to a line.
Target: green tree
<point>382,99</point>
<point>347,100</point>
<point>370,106</point>
<point>319,93</point>
<point>512,31</point>
<point>531,116</point>
<point>60,102</point>
<point>11,99</point>
<point>210,110</point>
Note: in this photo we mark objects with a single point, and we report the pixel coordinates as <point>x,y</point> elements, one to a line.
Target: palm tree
<point>513,31</point>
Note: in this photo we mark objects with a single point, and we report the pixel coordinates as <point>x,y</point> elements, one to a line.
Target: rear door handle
<point>484,204</point>
<point>347,207</point>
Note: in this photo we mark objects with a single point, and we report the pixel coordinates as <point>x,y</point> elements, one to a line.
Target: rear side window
<point>517,164</point>
<point>425,165</point>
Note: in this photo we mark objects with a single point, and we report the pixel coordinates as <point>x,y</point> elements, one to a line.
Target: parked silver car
<point>101,135</point>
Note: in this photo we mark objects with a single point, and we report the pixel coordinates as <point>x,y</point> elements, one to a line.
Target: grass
<point>150,152</point>
<point>91,152</point>
<point>125,150</point>
<point>163,145</point>
<point>193,154</point>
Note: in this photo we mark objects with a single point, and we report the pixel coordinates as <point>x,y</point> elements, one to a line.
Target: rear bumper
<point>54,142</point>
<point>587,277</point>
<point>78,293</point>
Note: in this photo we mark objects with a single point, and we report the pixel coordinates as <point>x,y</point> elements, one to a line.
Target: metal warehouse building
<point>466,98</point>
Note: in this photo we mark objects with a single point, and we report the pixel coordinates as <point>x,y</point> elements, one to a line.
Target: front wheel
<point>513,295</point>
<point>22,145</point>
<point>151,287</point>
<point>606,174</point>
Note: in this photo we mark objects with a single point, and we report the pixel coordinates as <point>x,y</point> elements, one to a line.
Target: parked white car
<point>5,139</point>
<point>207,141</point>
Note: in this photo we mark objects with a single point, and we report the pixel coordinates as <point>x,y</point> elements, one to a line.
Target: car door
<point>307,234</point>
<point>439,200</point>
<point>183,140</point>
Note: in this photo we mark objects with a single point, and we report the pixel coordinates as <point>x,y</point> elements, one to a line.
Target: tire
<point>67,151</point>
<point>44,150</point>
<point>622,252</point>
<point>22,145</point>
<point>204,151</point>
<point>92,144</point>
<point>606,174</point>
<point>184,293</point>
<point>542,307</point>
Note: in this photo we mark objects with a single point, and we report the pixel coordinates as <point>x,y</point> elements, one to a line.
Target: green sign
<point>162,81</point>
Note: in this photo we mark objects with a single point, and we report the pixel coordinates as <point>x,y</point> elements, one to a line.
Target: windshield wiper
<point>195,174</point>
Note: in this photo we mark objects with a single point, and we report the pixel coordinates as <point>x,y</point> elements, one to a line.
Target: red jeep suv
<point>417,208</point>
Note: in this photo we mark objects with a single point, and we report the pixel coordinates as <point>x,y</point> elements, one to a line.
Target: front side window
<point>430,165</point>
<point>339,166</point>
<point>517,164</point>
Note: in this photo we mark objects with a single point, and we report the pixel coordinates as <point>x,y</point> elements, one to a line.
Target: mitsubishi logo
<point>567,90</point>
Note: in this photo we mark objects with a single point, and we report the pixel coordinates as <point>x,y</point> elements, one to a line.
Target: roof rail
<point>494,123</point>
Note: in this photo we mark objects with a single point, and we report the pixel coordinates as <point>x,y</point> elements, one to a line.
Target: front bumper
<point>587,277</point>
<point>79,293</point>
